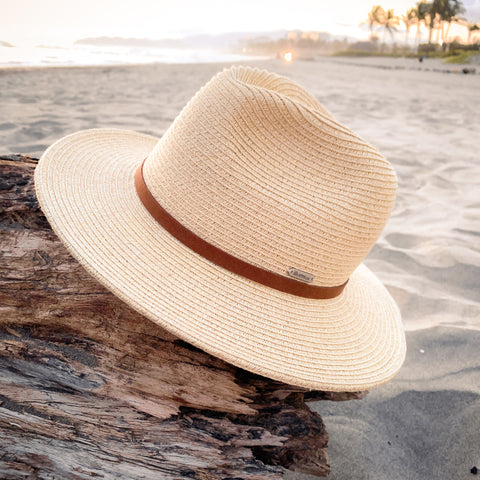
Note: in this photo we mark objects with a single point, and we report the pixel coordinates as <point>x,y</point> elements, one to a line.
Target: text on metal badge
<point>300,275</point>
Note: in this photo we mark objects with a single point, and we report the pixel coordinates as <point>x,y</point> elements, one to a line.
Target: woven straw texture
<point>257,167</point>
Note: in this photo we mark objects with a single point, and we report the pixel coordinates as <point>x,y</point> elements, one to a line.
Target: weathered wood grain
<point>91,389</point>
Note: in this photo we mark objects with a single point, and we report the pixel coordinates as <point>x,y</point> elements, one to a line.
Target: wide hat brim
<point>85,186</point>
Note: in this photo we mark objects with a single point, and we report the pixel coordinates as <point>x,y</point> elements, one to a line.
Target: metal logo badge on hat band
<point>300,275</point>
<point>224,259</point>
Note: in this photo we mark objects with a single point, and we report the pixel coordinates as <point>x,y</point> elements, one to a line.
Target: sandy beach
<point>425,424</point>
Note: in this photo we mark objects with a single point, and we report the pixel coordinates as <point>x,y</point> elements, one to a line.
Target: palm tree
<point>431,15</point>
<point>420,20</point>
<point>448,11</point>
<point>390,23</point>
<point>375,17</point>
<point>438,13</point>
<point>409,19</point>
<point>430,19</point>
<point>472,27</point>
<point>423,10</point>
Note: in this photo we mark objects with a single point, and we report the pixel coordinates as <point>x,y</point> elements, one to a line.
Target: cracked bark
<point>91,389</point>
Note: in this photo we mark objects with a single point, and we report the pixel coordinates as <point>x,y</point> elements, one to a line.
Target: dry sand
<point>425,424</point>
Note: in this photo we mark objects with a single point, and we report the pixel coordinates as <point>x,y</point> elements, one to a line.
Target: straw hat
<point>242,230</point>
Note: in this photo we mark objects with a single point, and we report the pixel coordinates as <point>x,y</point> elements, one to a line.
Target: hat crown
<point>257,167</point>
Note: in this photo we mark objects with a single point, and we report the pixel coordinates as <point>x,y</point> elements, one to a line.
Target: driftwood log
<point>91,389</point>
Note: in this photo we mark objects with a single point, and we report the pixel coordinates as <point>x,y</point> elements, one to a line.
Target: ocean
<point>89,55</point>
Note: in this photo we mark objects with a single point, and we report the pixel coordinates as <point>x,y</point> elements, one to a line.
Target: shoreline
<point>26,68</point>
<point>369,61</point>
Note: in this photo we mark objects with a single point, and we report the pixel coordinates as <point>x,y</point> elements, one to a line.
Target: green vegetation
<point>437,16</point>
<point>464,57</point>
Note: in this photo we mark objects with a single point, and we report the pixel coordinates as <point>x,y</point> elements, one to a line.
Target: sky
<point>61,22</point>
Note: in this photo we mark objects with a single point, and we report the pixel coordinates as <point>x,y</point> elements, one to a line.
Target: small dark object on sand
<point>474,470</point>
<point>468,70</point>
<point>420,59</point>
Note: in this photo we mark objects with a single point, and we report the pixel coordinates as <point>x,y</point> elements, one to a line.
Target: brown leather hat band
<point>224,259</point>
